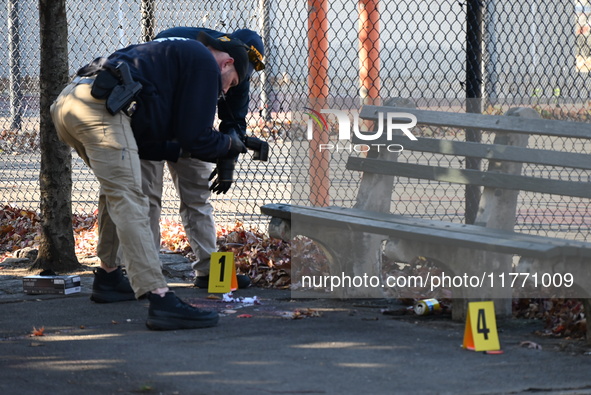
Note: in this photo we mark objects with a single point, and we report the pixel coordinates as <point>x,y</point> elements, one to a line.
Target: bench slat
<point>471,177</point>
<point>459,235</point>
<point>497,123</point>
<point>487,151</point>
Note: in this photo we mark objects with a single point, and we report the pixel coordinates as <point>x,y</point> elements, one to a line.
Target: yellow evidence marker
<point>480,333</point>
<point>222,273</point>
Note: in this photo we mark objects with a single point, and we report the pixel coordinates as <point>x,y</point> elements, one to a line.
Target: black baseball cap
<point>256,50</point>
<point>234,47</point>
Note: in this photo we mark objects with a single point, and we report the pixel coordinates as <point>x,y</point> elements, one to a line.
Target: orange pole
<point>317,98</point>
<point>369,51</point>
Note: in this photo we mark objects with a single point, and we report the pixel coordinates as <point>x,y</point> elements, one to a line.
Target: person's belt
<point>83,80</point>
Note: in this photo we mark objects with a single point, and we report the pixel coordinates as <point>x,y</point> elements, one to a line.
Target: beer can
<point>426,306</point>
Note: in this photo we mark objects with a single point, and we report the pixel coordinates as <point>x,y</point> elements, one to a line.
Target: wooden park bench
<point>354,237</point>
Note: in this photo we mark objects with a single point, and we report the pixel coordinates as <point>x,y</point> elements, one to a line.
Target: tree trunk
<point>56,250</point>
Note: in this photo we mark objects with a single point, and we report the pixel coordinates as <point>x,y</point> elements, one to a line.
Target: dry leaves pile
<point>19,141</point>
<point>85,234</point>
<point>18,229</point>
<point>22,228</point>
<point>563,317</point>
<point>268,262</point>
<point>173,239</point>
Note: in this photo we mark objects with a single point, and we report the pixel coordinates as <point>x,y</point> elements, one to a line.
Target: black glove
<point>236,144</point>
<point>224,171</point>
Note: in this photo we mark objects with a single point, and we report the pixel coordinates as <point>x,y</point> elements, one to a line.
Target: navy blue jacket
<point>176,107</point>
<point>232,109</point>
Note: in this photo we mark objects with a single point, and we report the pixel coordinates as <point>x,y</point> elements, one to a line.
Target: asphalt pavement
<point>267,343</point>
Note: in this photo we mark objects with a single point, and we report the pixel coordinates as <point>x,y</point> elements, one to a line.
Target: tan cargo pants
<point>190,177</point>
<point>107,145</point>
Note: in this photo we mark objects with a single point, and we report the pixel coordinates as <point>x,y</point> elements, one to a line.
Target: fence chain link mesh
<point>534,54</point>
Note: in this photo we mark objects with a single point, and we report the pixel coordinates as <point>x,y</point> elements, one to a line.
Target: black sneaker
<point>203,281</point>
<point>111,287</point>
<point>170,312</point>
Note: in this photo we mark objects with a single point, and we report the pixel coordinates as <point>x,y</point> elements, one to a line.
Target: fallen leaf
<point>38,332</point>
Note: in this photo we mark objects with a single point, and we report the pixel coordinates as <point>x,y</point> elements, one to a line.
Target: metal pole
<point>492,76</point>
<point>267,87</point>
<point>317,97</point>
<point>369,52</point>
<point>473,95</point>
<point>16,95</point>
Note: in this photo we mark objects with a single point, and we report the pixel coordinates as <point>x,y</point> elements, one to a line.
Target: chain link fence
<point>448,55</point>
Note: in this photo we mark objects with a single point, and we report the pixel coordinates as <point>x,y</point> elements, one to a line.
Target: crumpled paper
<point>245,301</point>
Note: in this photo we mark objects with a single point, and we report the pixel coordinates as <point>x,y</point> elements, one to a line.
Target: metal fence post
<point>491,64</point>
<point>16,95</point>
<point>473,95</point>
<point>369,53</point>
<point>267,86</point>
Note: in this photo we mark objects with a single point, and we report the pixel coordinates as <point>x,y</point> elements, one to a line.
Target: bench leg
<point>355,259</point>
<point>351,256</point>
<point>280,228</point>
<point>482,269</point>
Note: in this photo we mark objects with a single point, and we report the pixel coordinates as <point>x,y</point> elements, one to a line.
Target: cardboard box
<point>62,285</point>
